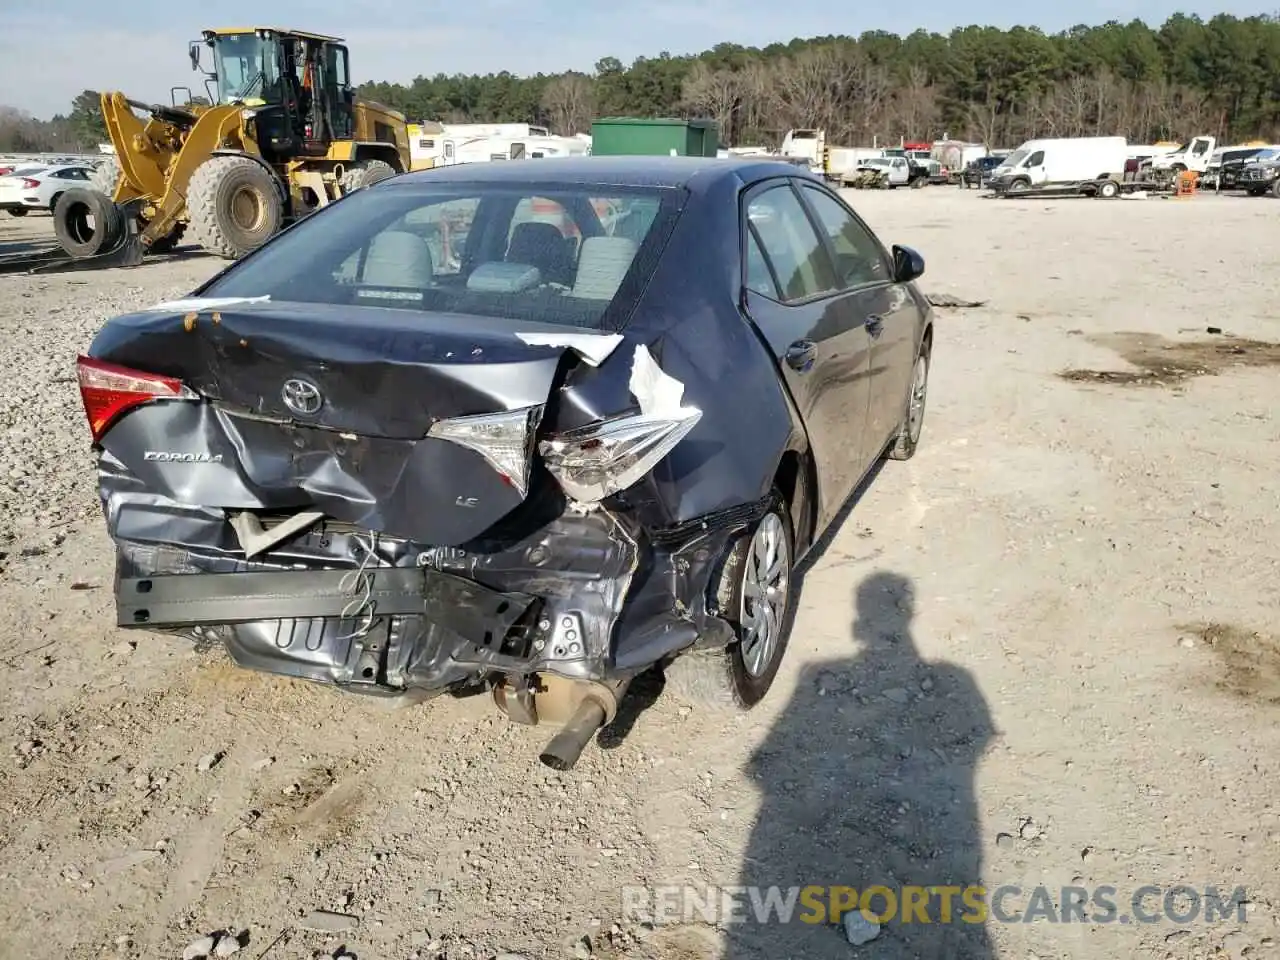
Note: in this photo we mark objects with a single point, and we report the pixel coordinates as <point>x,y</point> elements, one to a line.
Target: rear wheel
<point>17,211</point>
<point>235,206</point>
<point>86,222</point>
<point>1108,189</point>
<point>908,438</point>
<point>759,593</point>
<point>366,174</point>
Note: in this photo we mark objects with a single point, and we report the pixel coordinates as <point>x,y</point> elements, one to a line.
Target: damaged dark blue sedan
<point>530,427</point>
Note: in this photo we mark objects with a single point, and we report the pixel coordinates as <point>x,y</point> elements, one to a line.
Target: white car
<point>37,187</point>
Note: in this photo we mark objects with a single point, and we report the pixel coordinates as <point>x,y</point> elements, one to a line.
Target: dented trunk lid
<point>383,378</point>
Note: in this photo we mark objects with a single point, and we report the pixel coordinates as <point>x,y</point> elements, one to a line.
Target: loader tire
<point>87,222</point>
<point>234,205</point>
<point>366,174</point>
<point>106,177</point>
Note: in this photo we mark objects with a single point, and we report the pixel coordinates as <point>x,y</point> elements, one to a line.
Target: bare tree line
<point>858,102</point>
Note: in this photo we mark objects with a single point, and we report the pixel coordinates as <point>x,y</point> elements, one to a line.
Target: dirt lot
<point>1042,654</point>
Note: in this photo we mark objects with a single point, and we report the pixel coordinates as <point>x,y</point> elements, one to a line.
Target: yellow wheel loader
<point>284,135</point>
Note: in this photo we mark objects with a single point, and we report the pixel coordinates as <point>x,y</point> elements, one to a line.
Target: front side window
<point>793,248</point>
<point>542,255</point>
<point>858,258</point>
<point>1036,159</point>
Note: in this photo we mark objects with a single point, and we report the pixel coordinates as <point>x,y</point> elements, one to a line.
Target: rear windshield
<point>576,255</point>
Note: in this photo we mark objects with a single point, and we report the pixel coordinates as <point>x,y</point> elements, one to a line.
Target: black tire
<point>366,174</point>
<point>71,222</point>
<point>908,438</point>
<point>720,679</point>
<point>235,206</point>
<point>1275,188</point>
<point>1019,186</point>
<point>1108,189</point>
<point>106,176</point>
<point>17,211</point>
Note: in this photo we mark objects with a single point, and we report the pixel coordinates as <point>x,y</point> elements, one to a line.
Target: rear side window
<point>790,243</point>
<point>576,255</point>
<point>759,277</point>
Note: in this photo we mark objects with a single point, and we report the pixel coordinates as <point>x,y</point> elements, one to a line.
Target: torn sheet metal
<point>658,393</point>
<point>205,303</point>
<point>594,348</point>
<point>256,539</point>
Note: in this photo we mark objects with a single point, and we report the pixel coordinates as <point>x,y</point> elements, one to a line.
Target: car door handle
<point>874,325</point>
<point>800,355</point>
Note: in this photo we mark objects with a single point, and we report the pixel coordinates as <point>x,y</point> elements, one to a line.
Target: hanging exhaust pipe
<point>566,746</point>
<point>592,704</point>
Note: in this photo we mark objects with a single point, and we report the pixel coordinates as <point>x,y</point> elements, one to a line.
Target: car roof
<point>695,173</point>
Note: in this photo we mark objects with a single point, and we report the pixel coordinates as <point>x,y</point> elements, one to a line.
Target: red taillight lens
<point>30,184</point>
<point>108,391</point>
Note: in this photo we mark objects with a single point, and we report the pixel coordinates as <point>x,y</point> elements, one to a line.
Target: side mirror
<point>193,51</point>
<point>907,264</point>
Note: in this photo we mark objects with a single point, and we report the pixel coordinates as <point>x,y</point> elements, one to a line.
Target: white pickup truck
<point>898,168</point>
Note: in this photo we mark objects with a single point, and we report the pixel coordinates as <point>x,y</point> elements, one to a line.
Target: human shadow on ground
<point>868,780</point>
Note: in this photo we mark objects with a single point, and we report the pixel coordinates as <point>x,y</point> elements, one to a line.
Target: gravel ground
<point>1041,654</point>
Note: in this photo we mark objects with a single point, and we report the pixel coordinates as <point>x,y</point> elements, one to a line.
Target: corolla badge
<point>301,397</point>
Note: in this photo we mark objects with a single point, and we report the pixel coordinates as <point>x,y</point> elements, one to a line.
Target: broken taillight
<point>603,458</point>
<point>504,440</point>
<point>108,391</point>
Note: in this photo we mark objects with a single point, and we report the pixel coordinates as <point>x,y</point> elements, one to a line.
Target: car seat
<point>602,264</point>
<point>542,245</point>
<point>398,258</point>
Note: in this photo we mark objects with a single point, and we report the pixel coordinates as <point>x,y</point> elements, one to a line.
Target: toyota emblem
<point>301,397</point>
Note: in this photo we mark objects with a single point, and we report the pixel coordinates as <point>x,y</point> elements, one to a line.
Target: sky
<point>50,54</point>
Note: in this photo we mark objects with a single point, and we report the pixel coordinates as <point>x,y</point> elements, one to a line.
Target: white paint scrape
<point>594,348</point>
<point>206,303</point>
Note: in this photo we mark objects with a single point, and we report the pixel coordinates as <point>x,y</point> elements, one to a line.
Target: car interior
<point>501,255</point>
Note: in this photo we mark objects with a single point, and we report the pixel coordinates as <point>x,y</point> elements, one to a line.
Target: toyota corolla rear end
<point>397,501</point>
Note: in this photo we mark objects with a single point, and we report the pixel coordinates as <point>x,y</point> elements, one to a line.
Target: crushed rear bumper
<point>585,596</point>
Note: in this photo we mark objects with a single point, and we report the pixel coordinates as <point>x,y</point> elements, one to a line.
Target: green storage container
<point>638,136</point>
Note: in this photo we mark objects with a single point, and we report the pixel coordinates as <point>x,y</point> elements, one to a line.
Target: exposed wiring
<point>359,582</point>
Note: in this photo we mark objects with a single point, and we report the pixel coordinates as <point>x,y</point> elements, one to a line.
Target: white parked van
<point>1049,163</point>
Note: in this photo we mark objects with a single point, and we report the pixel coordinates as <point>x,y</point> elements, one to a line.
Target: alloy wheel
<point>765,594</point>
<point>915,405</point>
